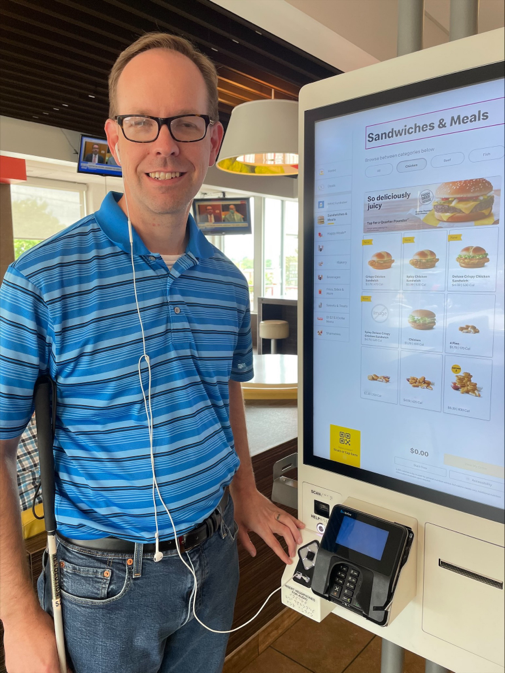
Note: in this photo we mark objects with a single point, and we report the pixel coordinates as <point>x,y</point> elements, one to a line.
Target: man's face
<point>163,83</point>
<point>95,149</point>
<point>232,209</point>
<point>209,210</point>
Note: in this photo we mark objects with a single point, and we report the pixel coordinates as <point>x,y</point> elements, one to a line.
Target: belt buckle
<point>182,547</point>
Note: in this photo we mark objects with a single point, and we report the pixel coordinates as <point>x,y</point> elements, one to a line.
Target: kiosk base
<point>431,667</point>
<point>392,657</point>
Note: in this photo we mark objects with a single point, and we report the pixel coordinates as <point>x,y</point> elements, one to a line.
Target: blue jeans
<point>124,613</point>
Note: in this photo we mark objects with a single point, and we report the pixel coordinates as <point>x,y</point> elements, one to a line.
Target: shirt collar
<point>114,224</point>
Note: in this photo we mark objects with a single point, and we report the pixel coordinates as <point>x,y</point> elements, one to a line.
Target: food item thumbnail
<point>424,259</point>
<point>381,260</point>
<point>320,219</point>
<point>472,257</point>
<point>469,329</point>
<point>465,385</point>
<point>463,200</point>
<point>422,319</point>
<point>421,382</point>
<point>380,379</point>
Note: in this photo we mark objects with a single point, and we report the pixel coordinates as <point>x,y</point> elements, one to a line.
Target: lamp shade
<point>261,139</point>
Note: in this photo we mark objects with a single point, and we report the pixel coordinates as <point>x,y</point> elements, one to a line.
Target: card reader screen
<point>362,537</point>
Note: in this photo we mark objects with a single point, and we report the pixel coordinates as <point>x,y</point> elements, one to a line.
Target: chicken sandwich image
<point>424,259</point>
<point>422,319</point>
<point>381,260</point>
<point>472,257</point>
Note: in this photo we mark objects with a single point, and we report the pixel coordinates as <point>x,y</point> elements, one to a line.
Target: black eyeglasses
<point>146,129</point>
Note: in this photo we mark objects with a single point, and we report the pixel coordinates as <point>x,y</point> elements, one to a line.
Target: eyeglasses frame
<point>162,121</point>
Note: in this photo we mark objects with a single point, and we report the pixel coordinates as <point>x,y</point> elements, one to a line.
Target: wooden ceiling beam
<point>248,82</point>
<point>51,27</point>
<point>41,81</point>
<point>51,9</point>
<point>54,58</point>
<point>46,103</point>
<point>209,37</point>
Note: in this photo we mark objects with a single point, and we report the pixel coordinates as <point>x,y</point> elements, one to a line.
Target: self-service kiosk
<point>401,349</point>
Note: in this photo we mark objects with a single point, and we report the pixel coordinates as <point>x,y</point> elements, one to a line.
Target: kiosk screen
<point>404,300</point>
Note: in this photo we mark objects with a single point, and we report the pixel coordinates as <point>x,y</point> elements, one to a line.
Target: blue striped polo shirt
<point>68,309</point>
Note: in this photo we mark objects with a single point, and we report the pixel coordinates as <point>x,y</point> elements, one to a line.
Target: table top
<point>274,370</point>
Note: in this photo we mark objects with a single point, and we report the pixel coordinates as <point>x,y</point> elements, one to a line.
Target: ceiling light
<point>214,49</point>
<point>90,96</point>
<point>45,113</point>
<point>64,105</point>
<point>261,139</point>
<point>56,108</point>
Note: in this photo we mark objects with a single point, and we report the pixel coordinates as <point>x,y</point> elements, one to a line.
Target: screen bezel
<point>223,231</point>
<point>394,544</point>
<point>408,92</point>
<point>102,169</point>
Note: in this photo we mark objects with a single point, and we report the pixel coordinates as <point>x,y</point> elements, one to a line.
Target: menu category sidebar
<point>332,248</point>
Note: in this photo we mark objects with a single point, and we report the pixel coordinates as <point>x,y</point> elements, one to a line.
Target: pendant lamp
<point>261,139</point>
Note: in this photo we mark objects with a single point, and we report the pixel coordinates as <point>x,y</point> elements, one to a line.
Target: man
<point>207,216</point>
<point>75,307</point>
<point>94,157</point>
<point>233,215</point>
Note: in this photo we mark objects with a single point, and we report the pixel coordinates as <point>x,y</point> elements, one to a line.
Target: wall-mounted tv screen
<point>95,158</point>
<point>404,290</point>
<point>216,217</point>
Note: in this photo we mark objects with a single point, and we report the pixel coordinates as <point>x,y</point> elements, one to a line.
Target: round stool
<point>274,329</point>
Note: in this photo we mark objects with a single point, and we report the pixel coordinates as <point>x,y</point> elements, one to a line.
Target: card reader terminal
<point>359,561</point>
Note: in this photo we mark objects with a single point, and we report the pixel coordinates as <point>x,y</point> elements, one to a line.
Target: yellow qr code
<point>345,445</point>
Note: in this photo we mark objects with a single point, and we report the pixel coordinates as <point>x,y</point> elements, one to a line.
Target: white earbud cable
<point>158,556</point>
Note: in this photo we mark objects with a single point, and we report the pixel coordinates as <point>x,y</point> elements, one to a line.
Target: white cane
<point>43,390</point>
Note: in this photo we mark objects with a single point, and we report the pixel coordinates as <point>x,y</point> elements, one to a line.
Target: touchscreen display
<point>362,537</point>
<point>408,300</point>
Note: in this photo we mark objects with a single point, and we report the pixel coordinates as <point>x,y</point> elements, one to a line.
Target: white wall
<point>38,140</point>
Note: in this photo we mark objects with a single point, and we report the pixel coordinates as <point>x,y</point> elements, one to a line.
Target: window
<point>240,249</point>
<point>272,236</point>
<point>41,208</point>
<point>281,249</point>
<point>290,250</point>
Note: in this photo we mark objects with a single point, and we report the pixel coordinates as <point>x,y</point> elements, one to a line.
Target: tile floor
<point>333,646</point>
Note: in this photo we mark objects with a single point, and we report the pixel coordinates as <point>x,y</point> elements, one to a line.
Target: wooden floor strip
<point>237,660</point>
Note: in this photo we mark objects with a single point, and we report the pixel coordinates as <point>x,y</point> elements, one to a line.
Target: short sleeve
<point>24,350</point>
<point>242,365</point>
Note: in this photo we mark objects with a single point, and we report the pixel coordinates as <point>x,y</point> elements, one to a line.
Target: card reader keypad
<point>345,584</point>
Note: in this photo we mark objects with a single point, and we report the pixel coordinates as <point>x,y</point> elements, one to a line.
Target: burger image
<point>381,260</point>
<point>472,257</point>
<point>464,200</point>
<point>424,259</point>
<point>421,319</point>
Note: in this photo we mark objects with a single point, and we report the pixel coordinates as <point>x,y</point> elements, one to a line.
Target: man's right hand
<point>30,644</point>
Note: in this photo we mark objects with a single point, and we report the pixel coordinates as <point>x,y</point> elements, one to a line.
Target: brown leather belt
<point>188,541</point>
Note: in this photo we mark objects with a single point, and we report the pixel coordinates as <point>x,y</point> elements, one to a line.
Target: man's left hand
<point>254,512</point>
